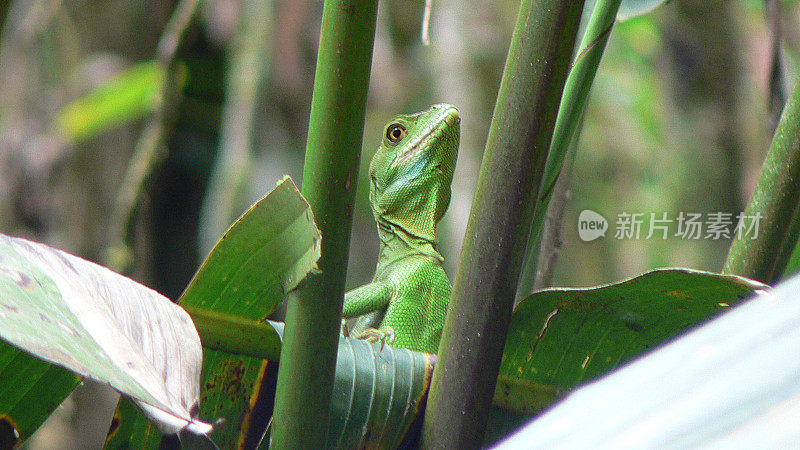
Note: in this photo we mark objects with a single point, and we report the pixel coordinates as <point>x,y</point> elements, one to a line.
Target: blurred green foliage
<point>128,96</point>
<point>678,121</point>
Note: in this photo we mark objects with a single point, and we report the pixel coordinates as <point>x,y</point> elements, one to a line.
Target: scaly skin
<point>409,192</point>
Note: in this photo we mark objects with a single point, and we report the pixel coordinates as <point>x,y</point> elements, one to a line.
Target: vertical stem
<point>570,115</point>
<point>763,257</point>
<point>550,243</point>
<point>313,315</point>
<point>488,270</point>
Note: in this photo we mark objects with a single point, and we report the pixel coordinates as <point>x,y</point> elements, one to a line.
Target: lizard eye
<point>395,133</point>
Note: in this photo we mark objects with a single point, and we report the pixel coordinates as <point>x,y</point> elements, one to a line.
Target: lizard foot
<point>376,335</point>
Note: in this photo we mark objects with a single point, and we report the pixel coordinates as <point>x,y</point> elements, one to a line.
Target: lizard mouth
<point>447,115</point>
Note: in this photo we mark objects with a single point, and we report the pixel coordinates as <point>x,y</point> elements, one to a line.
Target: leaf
<point>261,257</point>
<point>377,393</point>
<point>30,390</point>
<point>236,334</point>
<point>126,97</point>
<point>629,9</point>
<point>732,383</point>
<point>101,325</point>
<point>135,432</point>
<point>264,255</point>
<point>561,338</point>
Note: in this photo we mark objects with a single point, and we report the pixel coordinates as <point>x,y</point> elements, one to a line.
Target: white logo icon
<point>591,225</point>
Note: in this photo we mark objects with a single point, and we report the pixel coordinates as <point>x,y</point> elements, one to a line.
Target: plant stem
<point>499,224</point>
<point>551,242</point>
<point>314,310</point>
<point>236,334</point>
<point>763,256</point>
<point>570,115</point>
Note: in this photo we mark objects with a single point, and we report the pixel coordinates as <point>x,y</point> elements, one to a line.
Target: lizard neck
<point>397,243</point>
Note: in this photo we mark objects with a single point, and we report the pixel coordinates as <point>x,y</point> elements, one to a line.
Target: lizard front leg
<point>369,301</point>
<point>367,298</point>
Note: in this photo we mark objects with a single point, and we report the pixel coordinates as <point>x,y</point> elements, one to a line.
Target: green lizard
<point>410,178</point>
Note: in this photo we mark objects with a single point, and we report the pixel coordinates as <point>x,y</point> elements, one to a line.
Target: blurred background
<point>679,120</point>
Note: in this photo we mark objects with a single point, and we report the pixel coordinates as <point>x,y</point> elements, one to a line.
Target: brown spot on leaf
<point>194,411</point>
<point>633,326</point>
<point>226,381</point>
<point>679,294</point>
<point>24,280</point>
<point>632,320</point>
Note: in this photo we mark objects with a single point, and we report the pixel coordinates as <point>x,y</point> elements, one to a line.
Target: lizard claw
<point>390,332</point>
<point>375,335</point>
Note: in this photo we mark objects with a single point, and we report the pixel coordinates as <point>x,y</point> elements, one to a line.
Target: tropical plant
<point>303,384</point>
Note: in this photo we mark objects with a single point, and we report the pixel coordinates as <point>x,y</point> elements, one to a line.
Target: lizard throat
<point>403,243</point>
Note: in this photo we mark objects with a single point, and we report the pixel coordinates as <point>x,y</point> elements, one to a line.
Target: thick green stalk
<point>488,270</point>
<point>314,310</point>
<point>763,257</point>
<point>570,114</point>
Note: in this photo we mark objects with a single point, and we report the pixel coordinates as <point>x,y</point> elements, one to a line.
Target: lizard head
<point>411,172</point>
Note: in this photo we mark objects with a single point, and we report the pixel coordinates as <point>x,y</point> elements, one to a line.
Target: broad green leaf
<point>263,255</point>
<point>377,393</point>
<point>30,391</point>
<point>128,96</point>
<point>561,338</point>
<point>732,383</point>
<point>131,429</point>
<point>629,9</point>
<point>96,323</point>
